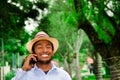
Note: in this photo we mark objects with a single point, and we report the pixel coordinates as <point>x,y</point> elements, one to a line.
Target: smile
<point>44,55</point>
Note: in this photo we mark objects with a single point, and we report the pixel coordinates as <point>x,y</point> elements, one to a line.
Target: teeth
<point>44,55</point>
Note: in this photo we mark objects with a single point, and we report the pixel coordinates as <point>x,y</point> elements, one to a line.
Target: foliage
<point>92,77</point>
<point>14,13</point>
<point>100,23</point>
<point>9,76</point>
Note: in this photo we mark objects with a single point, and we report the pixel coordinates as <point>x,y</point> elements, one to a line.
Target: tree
<point>77,47</point>
<point>14,13</point>
<point>102,29</point>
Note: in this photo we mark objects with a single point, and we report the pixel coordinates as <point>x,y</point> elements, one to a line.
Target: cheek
<point>52,54</point>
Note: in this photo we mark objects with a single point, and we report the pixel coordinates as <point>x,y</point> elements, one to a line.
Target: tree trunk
<point>67,67</point>
<point>114,66</point>
<point>98,66</point>
<point>115,71</point>
<point>77,46</point>
<point>77,67</point>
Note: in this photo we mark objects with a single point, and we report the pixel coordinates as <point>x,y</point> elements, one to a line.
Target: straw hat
<point>42,36</point>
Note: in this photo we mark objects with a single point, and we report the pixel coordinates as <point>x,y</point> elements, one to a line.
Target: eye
<point>49,47</point>
<point>39,47</point>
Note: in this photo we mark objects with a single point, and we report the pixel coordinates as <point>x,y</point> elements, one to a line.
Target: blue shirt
<point>36,73</point>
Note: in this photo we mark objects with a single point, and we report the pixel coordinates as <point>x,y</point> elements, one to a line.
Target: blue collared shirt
<point>36,73</point>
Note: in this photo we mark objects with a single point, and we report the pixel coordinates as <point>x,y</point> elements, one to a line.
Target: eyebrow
<point>40,44</point>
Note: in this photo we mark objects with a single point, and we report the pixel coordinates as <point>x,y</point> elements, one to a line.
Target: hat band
<point>41,35</point>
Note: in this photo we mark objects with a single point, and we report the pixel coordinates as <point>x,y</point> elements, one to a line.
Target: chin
<point>44,62</point>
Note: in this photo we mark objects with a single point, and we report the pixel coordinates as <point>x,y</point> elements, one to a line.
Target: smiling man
<point>37,65</point>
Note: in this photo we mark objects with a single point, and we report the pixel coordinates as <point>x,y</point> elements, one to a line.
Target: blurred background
<point>88,32</point>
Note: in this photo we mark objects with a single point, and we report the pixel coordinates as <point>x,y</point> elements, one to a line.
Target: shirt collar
<point>54,67</point>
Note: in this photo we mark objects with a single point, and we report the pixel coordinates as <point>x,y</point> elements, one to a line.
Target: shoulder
<point>63,73</point>
<point>61,70</point>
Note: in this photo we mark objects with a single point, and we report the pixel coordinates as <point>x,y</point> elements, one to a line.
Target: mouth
<point>44,55</point>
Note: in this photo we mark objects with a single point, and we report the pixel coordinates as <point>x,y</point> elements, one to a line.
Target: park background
<point>88,32</point>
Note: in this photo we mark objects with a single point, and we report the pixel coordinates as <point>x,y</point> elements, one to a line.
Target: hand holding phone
<point>29,62</point>
<point>32,61</point>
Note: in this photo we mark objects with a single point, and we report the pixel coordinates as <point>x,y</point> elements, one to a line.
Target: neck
<point>44,67</point>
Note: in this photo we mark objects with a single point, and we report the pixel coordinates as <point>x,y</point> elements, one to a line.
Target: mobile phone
<point>32,61</point>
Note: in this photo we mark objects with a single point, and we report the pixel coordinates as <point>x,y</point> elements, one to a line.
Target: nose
<point>44,49</point>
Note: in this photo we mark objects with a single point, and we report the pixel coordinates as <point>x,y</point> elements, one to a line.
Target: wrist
<point>24,68</point>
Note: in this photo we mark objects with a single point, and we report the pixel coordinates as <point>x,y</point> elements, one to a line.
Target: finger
<point>32,65</point>
<point>31,56</point>
<point>34,58</point>
<point>34,54</point>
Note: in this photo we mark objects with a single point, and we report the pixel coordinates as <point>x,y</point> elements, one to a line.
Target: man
<point>37,65</point>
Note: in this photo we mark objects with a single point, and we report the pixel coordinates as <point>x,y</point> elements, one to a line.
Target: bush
<point>91,77</point>
<point>9,76</point>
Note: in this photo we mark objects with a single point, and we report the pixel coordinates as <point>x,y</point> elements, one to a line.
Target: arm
<point>22,73</point>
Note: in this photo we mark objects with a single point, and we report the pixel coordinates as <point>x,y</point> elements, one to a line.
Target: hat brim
<point>54,41</point>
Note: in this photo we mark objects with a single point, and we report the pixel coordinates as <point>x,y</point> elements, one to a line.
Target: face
<point>43,50</point>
